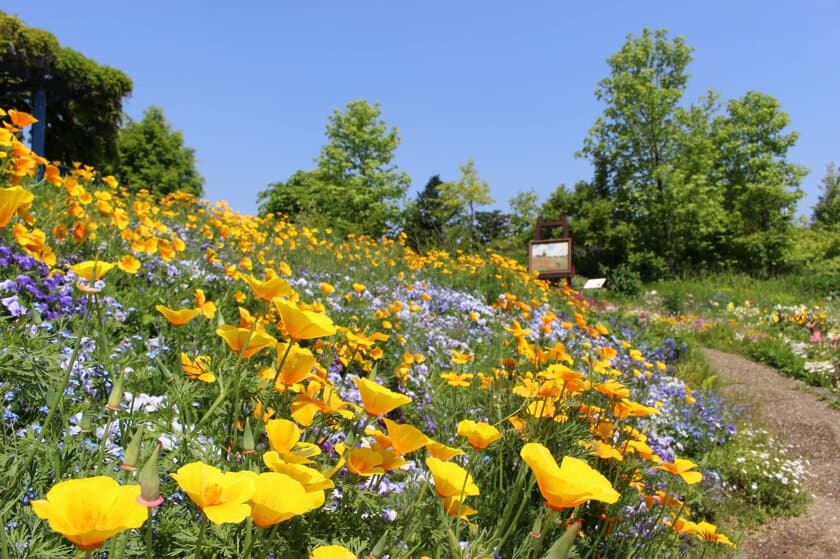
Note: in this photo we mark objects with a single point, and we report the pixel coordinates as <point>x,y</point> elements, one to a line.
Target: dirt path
<point>798,417</point>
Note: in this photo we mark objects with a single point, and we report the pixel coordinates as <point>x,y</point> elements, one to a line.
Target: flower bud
<point>248,438</point>
<point>149,479</point>
<point>85,423</point>
<point>132,451</point>
<point>116,395</point>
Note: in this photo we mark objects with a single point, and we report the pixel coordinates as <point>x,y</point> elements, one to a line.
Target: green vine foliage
<point>84,99</point>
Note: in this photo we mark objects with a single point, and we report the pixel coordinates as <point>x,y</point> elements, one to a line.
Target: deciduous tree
<point>154,157</point>
<point>355,186</point>
<point>760,187</point>
<point>461,198</point>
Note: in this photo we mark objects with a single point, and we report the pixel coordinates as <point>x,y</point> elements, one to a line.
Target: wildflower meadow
<point>180,380</point>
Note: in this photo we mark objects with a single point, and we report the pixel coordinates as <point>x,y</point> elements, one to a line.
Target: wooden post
<point>39,129</point>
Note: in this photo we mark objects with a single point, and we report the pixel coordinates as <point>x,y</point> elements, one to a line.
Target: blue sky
<point>510,84</point>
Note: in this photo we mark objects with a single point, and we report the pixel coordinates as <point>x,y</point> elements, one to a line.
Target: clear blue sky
<point>251,84</point>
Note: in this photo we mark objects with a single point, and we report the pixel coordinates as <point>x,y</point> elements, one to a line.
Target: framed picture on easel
<point>551,256</point>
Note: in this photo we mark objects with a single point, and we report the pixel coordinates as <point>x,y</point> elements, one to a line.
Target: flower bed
<point>181,380</point>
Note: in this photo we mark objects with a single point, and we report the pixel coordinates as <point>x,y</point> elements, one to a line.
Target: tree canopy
<point>827,210</point>
<point>83,98</point>
<point>461,197</point>
<point>695,186</point>
<point>154,157</point>
<point>355,186</point>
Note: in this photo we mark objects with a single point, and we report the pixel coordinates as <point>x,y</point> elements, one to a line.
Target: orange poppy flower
<point>479,434</point>
<point>179,317</point>
<point>237,338</point>
<point>572,483</point>
<point>301,324</point>
<point>378,400</point>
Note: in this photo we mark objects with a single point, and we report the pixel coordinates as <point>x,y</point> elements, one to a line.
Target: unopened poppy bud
<point>132,451</point>
<point>116,395</point>
<point>149,479</point>
<point>85,423</point>
<point>378,550</point>
<point>248,438</point>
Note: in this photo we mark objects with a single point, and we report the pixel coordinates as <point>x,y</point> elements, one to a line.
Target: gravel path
<point>798,417</point>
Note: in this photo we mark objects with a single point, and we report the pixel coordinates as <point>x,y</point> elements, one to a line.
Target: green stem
<point>266,539</point>
<point>523,503</point>
<point>216,403</point>
<point>105,436</point>
<point>149,552</point>
<point>249,539</point>
<point>200,542</point>
<point>4,546</point>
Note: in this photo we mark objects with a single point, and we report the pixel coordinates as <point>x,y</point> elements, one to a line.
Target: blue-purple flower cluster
<point>28,286</point>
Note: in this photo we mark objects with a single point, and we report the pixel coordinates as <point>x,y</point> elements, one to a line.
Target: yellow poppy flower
<point>364,462</point>
<point>301,324</point>
<point>284,438</point>
<point>572,483</point>
<point>299,364</point>
<point>443,452</point>
<point>459,358</point>
<point>456,507</point>
<point>179,317</point>
<point>270,288</point>
<point>456,379</point>
<point>479,434</point>
<point>314,400</point>
<point>12,200</point>
<point>91,270</point>
<point>703,530</point>
<point>197,369</point>
<point>207,308</point>
<point>21,119</point>
<point>378,400</point>
<point>331,552</point>
<point>222,497</point>
<point>88,511</point>
<point>237,338</point>
<point>405,438</point>
<point>129,264</point>
<point>311,479</point>
<point>279,497</point>
<point>680,467</point>
<point>451,480</point>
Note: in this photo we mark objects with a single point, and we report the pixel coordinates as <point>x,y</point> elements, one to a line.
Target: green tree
<point>827,210</point>
<point>425,218</point>
<point>355,186</point>
<point>698,189</point>
<point>461,198</point>
<point>519,226</point>
<point>154,157</point>
<point>82,99</point>
<point>760,187</point>
<point>632,145</point>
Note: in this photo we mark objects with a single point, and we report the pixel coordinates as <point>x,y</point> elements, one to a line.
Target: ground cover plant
<point>785,323</point>
<point>181,380</point>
